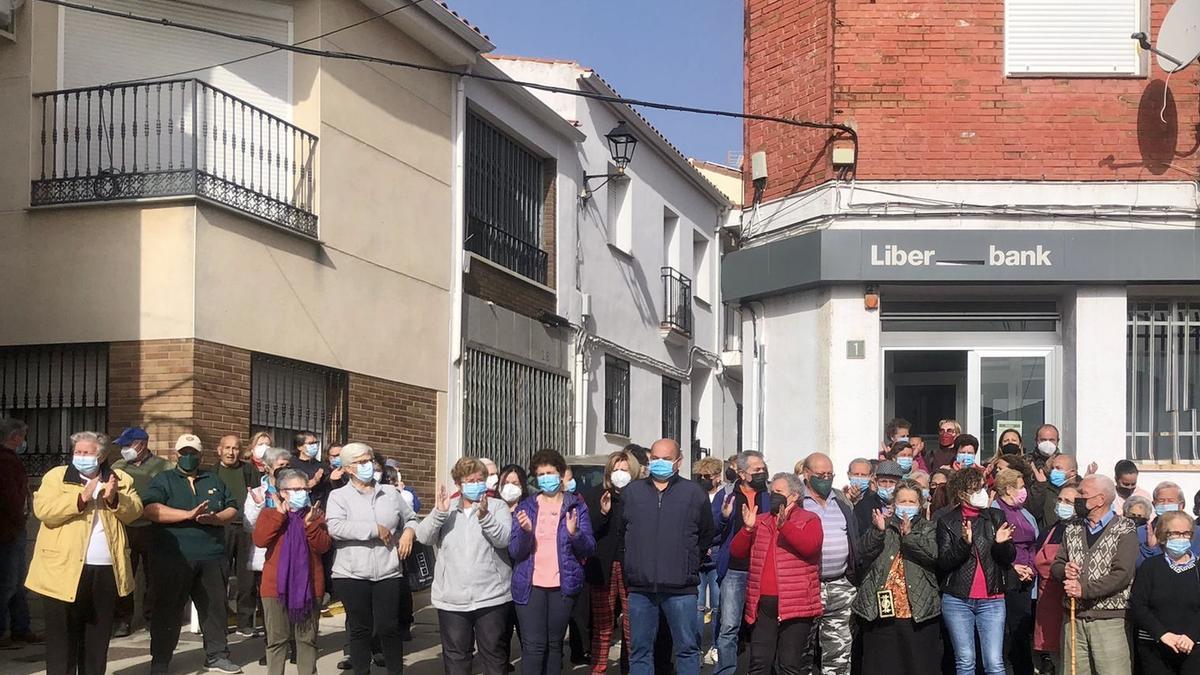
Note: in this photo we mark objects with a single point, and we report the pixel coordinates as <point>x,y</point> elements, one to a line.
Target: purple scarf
<point>293,579</point>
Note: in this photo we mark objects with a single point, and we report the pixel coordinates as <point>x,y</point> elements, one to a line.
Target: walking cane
<point>1072,636</point>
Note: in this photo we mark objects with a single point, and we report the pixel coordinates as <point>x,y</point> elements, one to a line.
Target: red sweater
<point>269,530</point>
<point>796,549</point>
<point>14,494</point>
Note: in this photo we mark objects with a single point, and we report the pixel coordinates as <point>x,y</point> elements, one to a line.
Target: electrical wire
<point>352,56</point>
<point>356,24</point>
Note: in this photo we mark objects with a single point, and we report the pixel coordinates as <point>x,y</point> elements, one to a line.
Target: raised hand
<point>572,522</point>
<point>727,507</point>
<point>967,534</point>
<point>314,512</point>
<point>877,519</point>
<point>1092,468</point>
<point>749,516</point>
<point>1004,534</point>
<point>89,490</point>
<point>110,488</point>
<point>1039,474</point>
<point>443,499</point>
<point>481,507</point>
<point>336,474</point>
<point>316,479</point>
<point>606,502</point>
<point>524,522</point>
<point>256,497</point>
<point>281,506</point>
<point>852,492</point>
<point>905,525</point>
<point>385,535</point>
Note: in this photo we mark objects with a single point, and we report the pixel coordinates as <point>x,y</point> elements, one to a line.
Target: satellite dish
<point>1179,36</point>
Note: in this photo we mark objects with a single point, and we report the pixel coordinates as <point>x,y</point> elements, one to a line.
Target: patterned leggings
<point>604,604</point>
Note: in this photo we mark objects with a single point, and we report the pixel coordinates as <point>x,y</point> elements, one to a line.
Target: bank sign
<point>827,257</point>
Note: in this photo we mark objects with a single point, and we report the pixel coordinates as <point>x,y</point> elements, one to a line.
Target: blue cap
<point>132,434</point>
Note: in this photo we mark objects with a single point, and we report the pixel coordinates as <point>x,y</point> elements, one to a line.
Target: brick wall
<point>923,83</point>
<point>150,385</point>
<point>507,290</point>
<point>221,398</point>
<point>398,421</point>
<point>550,219</point>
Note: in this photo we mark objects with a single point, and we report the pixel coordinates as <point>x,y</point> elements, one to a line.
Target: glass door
<point>1009,389</point>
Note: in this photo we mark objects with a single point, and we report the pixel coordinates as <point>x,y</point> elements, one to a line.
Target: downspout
<point>456,395</point>
<point>759,371</point>
<point>581,376</point>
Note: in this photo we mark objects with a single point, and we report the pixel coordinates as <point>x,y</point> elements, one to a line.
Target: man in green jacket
<point>142,465</point>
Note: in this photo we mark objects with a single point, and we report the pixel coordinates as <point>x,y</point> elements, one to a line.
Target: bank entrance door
<point>987,389</point>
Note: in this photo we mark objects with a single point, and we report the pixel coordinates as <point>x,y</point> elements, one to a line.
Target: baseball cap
<point>131,434</point>
<point>889,468</point>
<point>188,441</point>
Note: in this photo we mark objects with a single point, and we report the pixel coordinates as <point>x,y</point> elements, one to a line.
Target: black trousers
<point>777,647</point>
<point>901,646</point>
<point>543,626</point>
<point>1018,631</point>
<point>462,631</point>
<point>139,555</point>
<point>175,581</point>
<point>1155,658</point>
<point>237,548</point>
<point>372,608</point>
<point>77,633</point>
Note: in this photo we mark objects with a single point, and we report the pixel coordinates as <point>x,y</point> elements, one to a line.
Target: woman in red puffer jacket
<point>783,596</point>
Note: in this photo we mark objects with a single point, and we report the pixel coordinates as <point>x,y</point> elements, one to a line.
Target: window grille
<point>512,410</point>
<point>1163,370</point>
<point>287,397</point>
<point>616,396</point>
<point>672,408</point>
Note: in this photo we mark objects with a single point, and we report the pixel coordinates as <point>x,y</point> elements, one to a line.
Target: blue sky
<point>686,52</point>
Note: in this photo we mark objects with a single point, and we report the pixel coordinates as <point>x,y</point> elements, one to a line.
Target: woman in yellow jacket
<point>81,560</point>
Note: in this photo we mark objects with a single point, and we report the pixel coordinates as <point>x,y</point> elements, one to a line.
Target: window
<point>1073,37</point>
<point>287,397</point>
<point>671,408</point>
<point>57,390</point>
<point>504,194</point>
<point>512,409</point>
<point>701,267</point>
<point>620,213</point>
<point>616,396</point>
<point>1163,364</point>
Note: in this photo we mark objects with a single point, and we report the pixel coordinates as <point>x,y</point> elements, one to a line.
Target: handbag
<point>418,567</point>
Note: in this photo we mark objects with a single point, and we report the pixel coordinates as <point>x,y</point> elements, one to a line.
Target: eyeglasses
<point>1179,535</point>
<point>826,476</point>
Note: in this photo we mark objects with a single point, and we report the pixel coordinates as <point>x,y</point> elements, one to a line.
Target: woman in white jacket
<point>257,499</point>
<point>472,586</point>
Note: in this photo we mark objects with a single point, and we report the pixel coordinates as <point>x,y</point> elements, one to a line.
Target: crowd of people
<point>946,558</point>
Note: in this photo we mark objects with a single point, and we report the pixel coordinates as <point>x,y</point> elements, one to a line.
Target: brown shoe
<point>30,638</point>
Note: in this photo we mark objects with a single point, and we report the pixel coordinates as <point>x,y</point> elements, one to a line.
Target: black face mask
<point>1125,492</point>
<point>778,501</point>
<point>758,481</point>
<point>1138,520</point>
<point>1010,449</point>
<point>1081,507</point>
<point>730,475</point>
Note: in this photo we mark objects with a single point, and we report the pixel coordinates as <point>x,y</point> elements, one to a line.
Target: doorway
<point>924,387</point>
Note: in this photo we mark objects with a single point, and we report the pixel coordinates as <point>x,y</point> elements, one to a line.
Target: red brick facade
<point>923,83</point>
<point>398,421</point>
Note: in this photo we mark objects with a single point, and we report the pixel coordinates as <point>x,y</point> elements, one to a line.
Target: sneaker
<point>30,638</point>
<point>221,665</point>
<point>247,632</point>
<point>262,661</point>
<point>710,657</point>
<point>122,629</point>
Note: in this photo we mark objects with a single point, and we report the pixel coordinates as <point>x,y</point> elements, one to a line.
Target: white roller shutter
<point>98,49</point>
<point>1073,37</point>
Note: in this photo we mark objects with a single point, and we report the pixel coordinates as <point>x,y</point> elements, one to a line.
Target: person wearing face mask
<point>259,443</point>
<point>1165,601</point>
<point>493,477</point>
<point>604,570</point>
<point>1018,598</point>
<point>239,477</point>
<point>665,517</point>
<point>897,602</point>
<point>783,597</point>
<point>902,453</point>
<point>142,466</point>
<point>513,487</point>
<point>190,508</point>
<point>858,475</point>
<point>306,457</point>
<point>1048,620</point>
<point>887,476</point>
<point>81,561</point>
<point>337,473</point>
<point>1010,443</point>
<point>966,452</point>
<point>1167,498</point>
<point>472,577</point>
<point>551,534</point>
<point>708,476</point>
<point>1043,494</point>
<point>262,497</point>
<point>838,559</point>
<point>1125,473</point>
<point>939,499</point>
<point>1139,509</point>
<point>1046,445</point>
<point>733,571</point>
<point>1096,564</point>
<point>943,454</point>
<point>295,536</point>
<point>897,429</point>
<point>975,551</point>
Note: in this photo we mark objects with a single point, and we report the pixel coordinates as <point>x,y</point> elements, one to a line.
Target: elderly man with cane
<point>1096,564</point>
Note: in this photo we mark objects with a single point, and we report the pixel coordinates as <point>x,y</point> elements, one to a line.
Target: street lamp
<point>621,144</point>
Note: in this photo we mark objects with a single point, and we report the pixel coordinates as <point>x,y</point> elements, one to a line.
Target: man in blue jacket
<point>668,526</point>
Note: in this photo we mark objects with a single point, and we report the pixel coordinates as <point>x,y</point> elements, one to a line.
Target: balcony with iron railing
<point>505,250</point>
<point>173,138</point>
<point>677,304</point>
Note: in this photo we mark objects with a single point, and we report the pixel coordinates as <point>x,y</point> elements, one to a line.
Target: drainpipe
<point>456,394</point>
<point>759,371</point>
<point>580,377</point>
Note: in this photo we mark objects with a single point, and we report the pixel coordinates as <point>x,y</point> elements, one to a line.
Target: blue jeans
<point>708,598</point>
<point>733,603</point>
<point>12,576</point>
<point>680,611</point>
<point>963,618</point>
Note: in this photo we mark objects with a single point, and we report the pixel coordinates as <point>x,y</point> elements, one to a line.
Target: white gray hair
<point>1136,500</point>
<point>351,452</point>
<point>1107,487</point>
<point>273,455</point>
<point>743,459</point>
<point>96,437</point>
<point>289,474</point>
<point>795,486</point>
<point>1165,485</point>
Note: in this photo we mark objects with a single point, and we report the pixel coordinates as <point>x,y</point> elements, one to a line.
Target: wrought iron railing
<point>173,138</point>
<point>506,250</point>
<point>677,301</point>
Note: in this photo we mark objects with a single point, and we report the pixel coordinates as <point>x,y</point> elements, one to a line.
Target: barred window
<point>616,396</point>
<point>57,390</point>
<point>288,397</point>
<point>1163,365</point>
<point>513,409</point>
<point>672,408</point>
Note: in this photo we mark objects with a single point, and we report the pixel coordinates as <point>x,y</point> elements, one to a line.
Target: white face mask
<point>492,482</point>
<point>260,451</point>
<point>129,454</point>
<point>510,493</point>
<point>378,475</point>
<point>620,478</point>
<point>1047,448</point>
<point>978,499</point>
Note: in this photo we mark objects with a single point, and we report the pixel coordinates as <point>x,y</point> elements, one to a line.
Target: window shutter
<point>1073,37</point>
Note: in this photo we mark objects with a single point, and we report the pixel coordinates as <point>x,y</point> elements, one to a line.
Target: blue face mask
<point>549,483</point>
<point>23,448</point>
<point>925,493</point>
<point>313,450</point>
<point>1177,548</point>
<point>861,483</point>
<point>298,499</point>
<point>907,511</point>
<point>1165,508</point>
<point>905,464</point>
<point>571,485</point>
<point>365,472</point>
<point>885,493</point>
<point>474,491</point>
<point>662,469</point>
<point>902,439</point>
<point>85,464</point>
<point>1058,477</point>
<point>965,459</point>
<point>1065,511</point>
<point>336,462</point>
